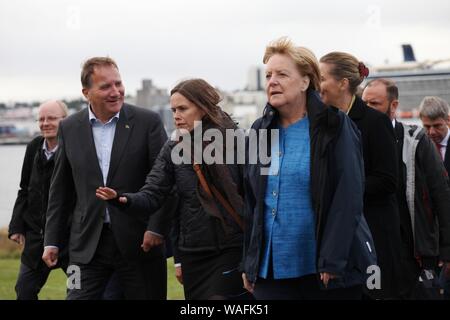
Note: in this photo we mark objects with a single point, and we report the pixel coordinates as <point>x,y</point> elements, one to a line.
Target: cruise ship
<point>415,80</point>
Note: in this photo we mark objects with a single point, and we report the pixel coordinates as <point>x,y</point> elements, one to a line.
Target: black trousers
<point>139,280</point>
<point>412,288</point>
<point>30,281</point>
<point>303,288</point>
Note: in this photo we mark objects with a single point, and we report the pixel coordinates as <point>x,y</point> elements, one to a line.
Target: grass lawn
<point>55,288</point>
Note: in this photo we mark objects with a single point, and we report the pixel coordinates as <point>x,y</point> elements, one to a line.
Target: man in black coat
<point>113,144</point>
<point>28,218</point>
<point>434,113</point>
<point>423,195</point>
<point>380,204</point>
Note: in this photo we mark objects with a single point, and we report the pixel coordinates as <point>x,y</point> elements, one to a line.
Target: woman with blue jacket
<point>304,224</point>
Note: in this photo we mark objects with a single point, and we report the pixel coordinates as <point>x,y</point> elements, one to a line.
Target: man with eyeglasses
<point>28,218</point>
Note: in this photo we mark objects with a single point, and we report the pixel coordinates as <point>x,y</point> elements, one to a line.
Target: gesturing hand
<point>106,193</point>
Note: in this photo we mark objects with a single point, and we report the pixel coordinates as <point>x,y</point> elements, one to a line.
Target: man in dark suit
<point>113,144</point>
<point>434,113</point>
<point>28,218</point>
<point>423,196</point>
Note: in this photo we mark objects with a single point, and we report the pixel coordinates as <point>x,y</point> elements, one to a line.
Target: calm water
<point>11,159</point>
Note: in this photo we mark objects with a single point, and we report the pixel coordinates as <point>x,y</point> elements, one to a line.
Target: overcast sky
<point>43,43</point>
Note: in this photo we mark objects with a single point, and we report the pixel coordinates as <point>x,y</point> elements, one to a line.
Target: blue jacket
<point>344,243</point>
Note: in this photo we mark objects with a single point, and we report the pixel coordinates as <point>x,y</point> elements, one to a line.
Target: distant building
<point>150,96</point>
<point>157,100</point>
<point>245,106</point>
<point>414,85</point>
<point>416,79</point>
<point>255,79</point>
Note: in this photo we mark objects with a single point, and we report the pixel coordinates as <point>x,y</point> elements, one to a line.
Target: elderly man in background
<point>28,218</point>
<point>423,197</point>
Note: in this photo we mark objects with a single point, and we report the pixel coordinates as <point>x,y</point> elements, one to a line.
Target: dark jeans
<point>303,288</point>
<point>140,280</point>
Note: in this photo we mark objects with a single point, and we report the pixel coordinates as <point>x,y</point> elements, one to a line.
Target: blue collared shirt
<point>103,139</point>
<point>289,221</point>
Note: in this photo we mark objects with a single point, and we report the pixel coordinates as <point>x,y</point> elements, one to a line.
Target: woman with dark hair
<point>209,234</point>
<point>341,74</point>
<point>304,226</point>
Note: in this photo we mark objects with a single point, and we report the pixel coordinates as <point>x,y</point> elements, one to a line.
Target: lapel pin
<point>127,126</point>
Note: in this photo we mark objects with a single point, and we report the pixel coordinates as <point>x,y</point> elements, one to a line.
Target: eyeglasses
<point>49,119</point>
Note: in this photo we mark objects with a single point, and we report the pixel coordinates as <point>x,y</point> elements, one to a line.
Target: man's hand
<point>18,237</point>
<point>247,284</point>
<point>179,274</point>
<point>151,240</point>
<point>50,256</point>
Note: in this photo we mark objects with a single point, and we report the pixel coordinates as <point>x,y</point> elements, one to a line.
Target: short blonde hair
<point>304,59</point>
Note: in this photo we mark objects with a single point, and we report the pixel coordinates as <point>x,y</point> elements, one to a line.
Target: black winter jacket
<point>29,211</point>
<point>196,229</point>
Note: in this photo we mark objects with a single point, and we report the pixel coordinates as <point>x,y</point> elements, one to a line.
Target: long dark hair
<point>205,97</point>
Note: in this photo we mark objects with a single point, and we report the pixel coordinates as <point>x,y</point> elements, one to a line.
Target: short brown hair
<point>89,66</point>
<point>345,66</point>
<point>304,58</point>
<point>391,87</point>
<point>205,97</point>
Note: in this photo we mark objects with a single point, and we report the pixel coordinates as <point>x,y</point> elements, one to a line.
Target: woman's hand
<point>247,284</point>
<point>325,277</point>
<point>179,274</point>
<point>106,193</point>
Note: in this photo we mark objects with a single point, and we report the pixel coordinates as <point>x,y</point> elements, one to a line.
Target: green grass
<point>55,288</point>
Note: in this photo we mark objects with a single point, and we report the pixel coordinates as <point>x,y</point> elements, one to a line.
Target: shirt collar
<point>46,150</point>
<point>444,141</point>
<point>93,118</point>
